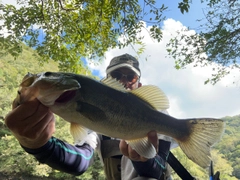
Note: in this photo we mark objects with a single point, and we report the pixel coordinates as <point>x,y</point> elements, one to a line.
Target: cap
<point>125,60</point>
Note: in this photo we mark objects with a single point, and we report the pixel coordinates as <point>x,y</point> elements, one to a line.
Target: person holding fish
<point>125,69</point>
<point>117,106</point>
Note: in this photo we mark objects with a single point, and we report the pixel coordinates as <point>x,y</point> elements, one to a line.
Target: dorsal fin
<point>153,95</point>
<point>113,83</point>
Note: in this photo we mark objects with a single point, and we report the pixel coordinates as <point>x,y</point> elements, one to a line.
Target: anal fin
<point>78,132</point>
<point>143,147</point>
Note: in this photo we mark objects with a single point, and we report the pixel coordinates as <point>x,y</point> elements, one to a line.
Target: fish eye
<point>48,74</point>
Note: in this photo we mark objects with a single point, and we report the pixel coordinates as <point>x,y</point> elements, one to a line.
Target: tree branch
<point>60,2</point>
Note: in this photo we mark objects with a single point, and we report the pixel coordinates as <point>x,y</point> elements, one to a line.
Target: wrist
<point>32,144</point>
<point>39,149</point>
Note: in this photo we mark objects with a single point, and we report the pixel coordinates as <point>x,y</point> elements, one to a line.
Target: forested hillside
<point>229,146</point>
<point>15,162</point>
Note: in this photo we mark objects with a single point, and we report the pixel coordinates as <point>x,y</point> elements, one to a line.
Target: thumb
<point>153,138</point>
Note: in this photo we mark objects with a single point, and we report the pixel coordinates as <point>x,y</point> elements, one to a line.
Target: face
<point>127,77</point>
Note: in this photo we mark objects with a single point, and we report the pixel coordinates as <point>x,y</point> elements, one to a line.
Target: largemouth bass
<point>109,109</point>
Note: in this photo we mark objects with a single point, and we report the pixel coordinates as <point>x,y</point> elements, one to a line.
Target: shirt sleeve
<point>63,156</point>
<point>154,168</point>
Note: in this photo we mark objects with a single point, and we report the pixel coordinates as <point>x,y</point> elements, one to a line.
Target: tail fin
<point>205,133</point>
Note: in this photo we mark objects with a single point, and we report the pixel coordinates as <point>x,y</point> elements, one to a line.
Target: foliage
<point>217,43</point>
<point>66,31</point>
<point>184,6</point>
<point>230,144</point>
<point>17,163</point>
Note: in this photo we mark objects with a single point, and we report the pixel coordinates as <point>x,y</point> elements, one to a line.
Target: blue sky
<point>187,19</point>
<point>188,95</point>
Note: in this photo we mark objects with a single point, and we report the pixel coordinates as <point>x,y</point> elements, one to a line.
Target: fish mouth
<point>66,96</point>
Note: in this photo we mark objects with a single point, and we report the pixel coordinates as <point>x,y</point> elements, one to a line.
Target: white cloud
<point>185,88</point>
<point>4,31</point>
<point>16,3</point>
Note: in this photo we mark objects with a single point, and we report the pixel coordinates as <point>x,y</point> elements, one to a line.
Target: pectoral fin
<point>143,147</point>
<point>78,132</point>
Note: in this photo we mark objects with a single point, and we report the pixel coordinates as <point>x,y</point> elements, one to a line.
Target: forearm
<point>63,156</point>
<point>152,168</point>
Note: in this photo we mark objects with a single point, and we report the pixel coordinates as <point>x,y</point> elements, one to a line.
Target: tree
<point>217,43</point>
<point>67,30</point>
<point>70,30</point>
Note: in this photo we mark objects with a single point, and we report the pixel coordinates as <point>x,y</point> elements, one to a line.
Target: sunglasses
<point>130,77</point>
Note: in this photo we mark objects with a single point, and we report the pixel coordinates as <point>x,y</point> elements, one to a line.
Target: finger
<point>48,129</point>
<point>123,146</point>
<point>143,159</point>
<point>21,112</point>
<point>40,113</point>
<point>39,135</point>
<point>153,138</point>
<point>28,123</point>
<point>133,155</point>
<point>15,103</point>
<point>44,128</point>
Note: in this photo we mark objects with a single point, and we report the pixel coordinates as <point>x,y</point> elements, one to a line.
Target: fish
<point>107,108</point>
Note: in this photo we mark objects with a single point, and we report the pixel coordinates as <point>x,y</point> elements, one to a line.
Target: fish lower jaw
<point>48,99</point>
<point>47,103</point>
